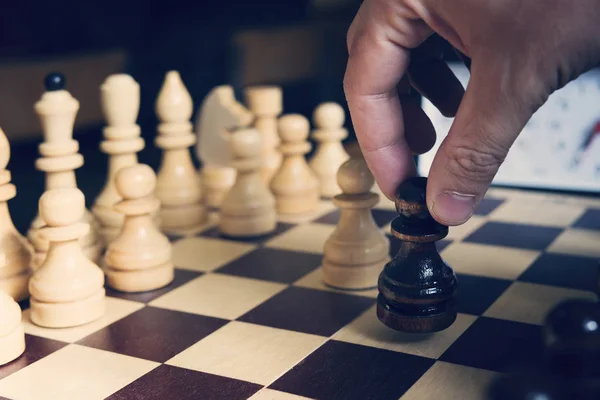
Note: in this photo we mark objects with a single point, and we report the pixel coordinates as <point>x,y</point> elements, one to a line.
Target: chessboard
<point>252,319</point>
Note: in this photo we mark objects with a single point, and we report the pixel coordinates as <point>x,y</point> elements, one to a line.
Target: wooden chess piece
<point>249,207</point>
<point>571,333</point>
<point>15,250</point>
<point>219,115</point>
<point>68,289</point>
<point>12,333</point>
<point>178,186</point>
<point>139,259</point>
<point>417,289</point>
<point>356,251</point>
<point>120,100</point>
<point>295,186</point>
<point>57,110</point>
<point>266,103</point>
<point>330,154</point>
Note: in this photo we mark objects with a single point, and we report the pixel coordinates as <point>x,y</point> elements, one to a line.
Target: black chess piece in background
<point>570,369</point>
<point>417,289</point>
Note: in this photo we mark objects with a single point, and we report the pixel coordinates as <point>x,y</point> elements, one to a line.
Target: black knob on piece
<point>417,289</point>
<point>55,81</point>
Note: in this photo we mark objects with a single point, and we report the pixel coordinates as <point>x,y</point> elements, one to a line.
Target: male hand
<point>520,51</point>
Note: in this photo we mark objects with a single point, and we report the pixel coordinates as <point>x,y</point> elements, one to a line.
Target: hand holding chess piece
<point>68,288</point>
<point>417,289</point>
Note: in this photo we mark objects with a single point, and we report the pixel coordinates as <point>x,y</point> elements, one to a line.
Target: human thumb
<point>492,113</point>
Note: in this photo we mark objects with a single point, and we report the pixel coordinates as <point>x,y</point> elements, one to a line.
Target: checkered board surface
<point>253,320</point>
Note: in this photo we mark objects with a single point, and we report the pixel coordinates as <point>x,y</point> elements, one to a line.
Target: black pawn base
<point>417,289</point>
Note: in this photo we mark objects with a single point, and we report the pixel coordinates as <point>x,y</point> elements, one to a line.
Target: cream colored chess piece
<point>330,154</point>
<point>249,207</point>
<point>295,185</point>
<point>68,289</point>
<point>15,250</point>
<point>178,187</point>
<point>356,252</point>
<point>12,334</point>
<point>57,110</point>
<point>219,114</point>
<point>120,100</point>
<point>139,259</point>
<point>266,103</point>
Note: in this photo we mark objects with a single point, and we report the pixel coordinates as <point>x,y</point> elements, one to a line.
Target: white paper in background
<point>559,148</point>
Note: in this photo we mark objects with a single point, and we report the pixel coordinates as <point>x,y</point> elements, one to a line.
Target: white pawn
<point>295,186</point>
<point>330,153</point>
<point>249,207</point>
<point>12,334</point>
<point>139,259</point>
<point>357,250</point>
<point>68,288</point>
<point>15,251</point>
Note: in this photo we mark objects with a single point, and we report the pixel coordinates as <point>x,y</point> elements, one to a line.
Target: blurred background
<point>299,45</point>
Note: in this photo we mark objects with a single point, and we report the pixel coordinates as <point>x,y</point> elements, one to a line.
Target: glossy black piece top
<point>55,81</point>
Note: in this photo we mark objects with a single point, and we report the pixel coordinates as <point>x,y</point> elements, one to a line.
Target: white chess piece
<point>12,334</point>
<point>219,115</point>
<point>295,186</point>
<point>249,207</point>
<point>68,288</point>
<point>15,251</point>
<point>356,252</point>
<point>120,99</point>
<point>177,186</point>
<point>139,259</point>
<point>330,153</point>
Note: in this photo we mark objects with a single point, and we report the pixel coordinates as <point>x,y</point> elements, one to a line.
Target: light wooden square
<point>542,213</point>
<point>487,260</point>
<point>207,254</point>
<point>307,237</point>
<point>77,372</point>
<point>314,280</point>
<point>269,394</point>
<point>462,231</point>
<point>530,303</point>
<point>579,242</point>
<point>249,352</point>
<point>116,309</point>
<point>367,330</point>
<point>217,295</point>
<point>445,381</point>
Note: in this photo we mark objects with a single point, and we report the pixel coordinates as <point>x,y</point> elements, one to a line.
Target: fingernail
<point>453,208</point>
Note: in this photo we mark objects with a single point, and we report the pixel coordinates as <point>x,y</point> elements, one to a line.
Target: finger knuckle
<point>474,162</point>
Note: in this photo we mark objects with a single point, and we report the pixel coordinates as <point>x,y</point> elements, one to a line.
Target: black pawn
<point>572,339</point>
<point>54,81</point>
<point>417,289</point>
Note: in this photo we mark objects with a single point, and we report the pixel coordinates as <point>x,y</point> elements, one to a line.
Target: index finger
<point>376,64</point>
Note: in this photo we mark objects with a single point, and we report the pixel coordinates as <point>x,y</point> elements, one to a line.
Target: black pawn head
<point>410,199</point>
<point>414,218</point>
<point>54,81</point>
